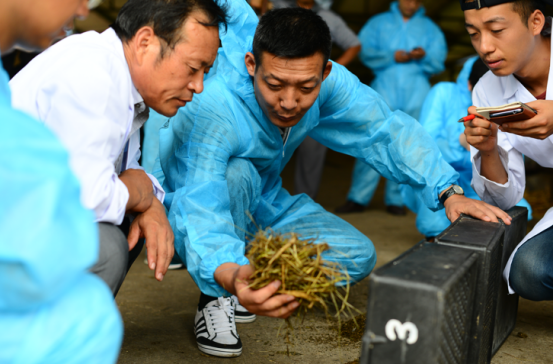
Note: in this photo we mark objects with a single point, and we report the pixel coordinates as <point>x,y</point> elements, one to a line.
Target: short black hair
<point>292,33</point>
<point>166,18</point>
<point>526,7</point>
<point>477,71</point>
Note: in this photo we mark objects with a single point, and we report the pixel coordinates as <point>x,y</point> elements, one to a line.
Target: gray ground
<point>159,316</point>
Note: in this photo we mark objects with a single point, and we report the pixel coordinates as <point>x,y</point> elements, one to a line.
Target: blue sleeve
<point>440,119</point>
<point>151,145</point>
<point>373,55</point>
<point>432,116</point>
<point>199,212</point>
<point>435,53</point>
<point>359,123</point>
<point>48,238</point>
<point>456,154</point>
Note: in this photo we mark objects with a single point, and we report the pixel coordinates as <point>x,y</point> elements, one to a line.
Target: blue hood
<point>396,10</point>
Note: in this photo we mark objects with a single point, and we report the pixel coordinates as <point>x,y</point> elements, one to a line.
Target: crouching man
<point>94,91</point>
<point>222,156</point>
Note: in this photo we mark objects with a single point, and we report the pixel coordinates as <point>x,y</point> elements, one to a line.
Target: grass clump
<point>303,273</point>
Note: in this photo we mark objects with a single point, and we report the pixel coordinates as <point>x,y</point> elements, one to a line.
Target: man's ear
<point>536,22</point>
<point>250,63</point>
<point>327,69</point>
<point>144,42</point>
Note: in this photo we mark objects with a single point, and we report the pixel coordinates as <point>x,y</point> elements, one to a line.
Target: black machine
<point>487,240</point>
<point>506,309</point>
<point>420,307</point>
<point>445,302</point>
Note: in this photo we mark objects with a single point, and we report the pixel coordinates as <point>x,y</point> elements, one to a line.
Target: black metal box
<point>487,240</point>
<point>506,309</point>
<point>420,307</point>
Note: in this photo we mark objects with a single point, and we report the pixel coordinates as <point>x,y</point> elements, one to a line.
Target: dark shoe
<point>349,207</point>
<point>396,210</point>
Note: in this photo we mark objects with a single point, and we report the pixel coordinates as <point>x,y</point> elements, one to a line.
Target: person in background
<point>52,309</point>
<point>403,48</point>
<point>513,38</point>
<point>310,156</point>
<point>94,91</point>
<point>445,104</point>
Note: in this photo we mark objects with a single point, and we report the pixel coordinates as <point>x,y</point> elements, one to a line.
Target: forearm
<point>492,167</point>
<point>225,275</point>
<point>349,55</point>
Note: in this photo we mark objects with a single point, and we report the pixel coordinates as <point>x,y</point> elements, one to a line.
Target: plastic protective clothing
<point>445,104</point>
<point>151,144</point>
<point>225,123</point>
<point>402,85</point>
<point>51,309</point>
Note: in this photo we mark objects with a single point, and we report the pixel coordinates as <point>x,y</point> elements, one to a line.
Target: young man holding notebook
<point>513,39</point>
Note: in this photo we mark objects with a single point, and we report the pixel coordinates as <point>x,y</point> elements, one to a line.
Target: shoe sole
<point>171,266</point>
<point>222,353</point>
<point>245,320</point>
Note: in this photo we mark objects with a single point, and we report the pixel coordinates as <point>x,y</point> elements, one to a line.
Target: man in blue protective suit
<point>221,157</point>
<point>403,48</point>
<point>445,104</point>
<point>52,310</point>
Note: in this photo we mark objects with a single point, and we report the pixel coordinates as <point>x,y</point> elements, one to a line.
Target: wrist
<point>226,275</point>
<point>453,199</point>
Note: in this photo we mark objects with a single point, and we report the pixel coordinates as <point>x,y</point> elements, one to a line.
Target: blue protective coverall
<point>445,104</point>
<point>402,85</point>
<point>220,156</point>
<point>52,310</point>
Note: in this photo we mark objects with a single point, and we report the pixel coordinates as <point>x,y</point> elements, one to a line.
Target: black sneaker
<point>215,329</point>
<point>396,210</point>
<point>242,316</point>
<point>350,207</point>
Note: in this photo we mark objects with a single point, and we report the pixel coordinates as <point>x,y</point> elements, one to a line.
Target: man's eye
<point>193,70</point>
<point>472,34</point>
<point>272,86</point>
<point>497,31</point>
<point>307,89</point>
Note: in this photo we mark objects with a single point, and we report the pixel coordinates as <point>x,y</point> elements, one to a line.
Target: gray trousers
<point>310,159</point>
<point>114,257</point>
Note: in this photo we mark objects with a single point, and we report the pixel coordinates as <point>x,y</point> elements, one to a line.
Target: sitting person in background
<point>310,156</point>
<point>513,38</point>
<point>403,48</point>
<point>445,104</point>
<point>52,309</point>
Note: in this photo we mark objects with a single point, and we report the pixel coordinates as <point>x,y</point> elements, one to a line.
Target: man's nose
<point>196,85</point>
<point>289,100</point>
<point>486,44</point>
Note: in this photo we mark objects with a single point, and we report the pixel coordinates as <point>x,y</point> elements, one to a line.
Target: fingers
<point>500,214</point>
<point>152,251</point>
<point>284,311</point>
<point>486,212</point>
<point>134,235</point>
<point>262,295</point>
<point>472,110</point>
<point>263,301</point>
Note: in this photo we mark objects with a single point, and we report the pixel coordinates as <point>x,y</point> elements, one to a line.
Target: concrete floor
<point>159,316</point>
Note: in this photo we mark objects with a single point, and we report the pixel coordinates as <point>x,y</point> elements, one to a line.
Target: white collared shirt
<point>495,91</point>
<point>81,88</point>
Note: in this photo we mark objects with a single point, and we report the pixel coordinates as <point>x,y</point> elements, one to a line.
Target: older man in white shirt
<point>513,39</point>
<point>94,91</point>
